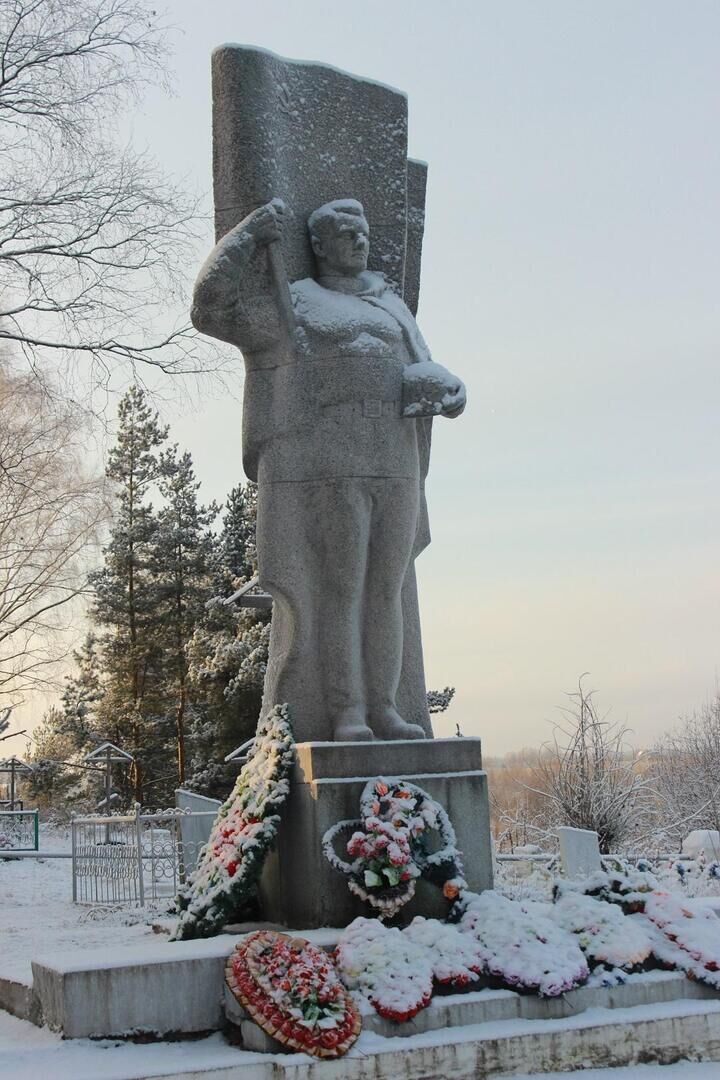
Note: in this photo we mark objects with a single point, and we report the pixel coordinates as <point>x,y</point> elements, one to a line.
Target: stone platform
<point>176,989</point>
<point>299,886</point>
<point>172,990</point>
<point>477,1007</point>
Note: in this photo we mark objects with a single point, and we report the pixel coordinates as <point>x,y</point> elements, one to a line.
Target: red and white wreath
<point>290,988</point>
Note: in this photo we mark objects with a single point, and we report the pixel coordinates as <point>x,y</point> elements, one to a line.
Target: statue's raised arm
<point>241,295</point>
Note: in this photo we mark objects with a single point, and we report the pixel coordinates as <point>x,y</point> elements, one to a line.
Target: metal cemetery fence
<point>18,830</point>
<point>132,858</point>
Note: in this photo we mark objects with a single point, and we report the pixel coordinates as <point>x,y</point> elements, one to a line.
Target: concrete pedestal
<point>299,887</point>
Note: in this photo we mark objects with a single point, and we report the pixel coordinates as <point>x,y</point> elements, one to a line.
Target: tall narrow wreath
<point>244,831</point>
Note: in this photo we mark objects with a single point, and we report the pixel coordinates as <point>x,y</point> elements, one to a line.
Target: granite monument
<point>319,218</point>
<point>340,386</point>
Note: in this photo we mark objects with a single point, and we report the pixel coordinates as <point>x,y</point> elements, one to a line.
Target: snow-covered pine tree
<point>236,550</point>
<point>81,719</point>
<point>51,784</point>
<point>182,565</point>
<point>125,600</point>
<point>228,653</point>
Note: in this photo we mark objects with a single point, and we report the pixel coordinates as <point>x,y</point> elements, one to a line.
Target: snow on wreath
<point>390,846</point>
<point>244,830</point>
<point>292,990</point>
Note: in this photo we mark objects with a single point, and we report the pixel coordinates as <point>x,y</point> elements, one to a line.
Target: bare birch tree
<point>50,512</point>
<point>94,239</point>
<point>687,764</point>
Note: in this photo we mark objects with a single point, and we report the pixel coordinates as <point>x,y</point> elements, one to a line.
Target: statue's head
<point>340,237</point>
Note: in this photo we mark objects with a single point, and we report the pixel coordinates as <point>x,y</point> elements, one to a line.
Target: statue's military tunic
<point>341,508</point>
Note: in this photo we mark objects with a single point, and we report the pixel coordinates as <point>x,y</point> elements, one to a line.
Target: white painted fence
<point>131,858</point>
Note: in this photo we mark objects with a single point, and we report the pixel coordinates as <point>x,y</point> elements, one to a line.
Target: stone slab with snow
<point>178,987</point>
<point>673,1032</point>
<point>579,852</point>
<point>705,842</point>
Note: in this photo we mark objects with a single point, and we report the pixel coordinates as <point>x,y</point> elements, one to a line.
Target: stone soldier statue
<point>342,384</point>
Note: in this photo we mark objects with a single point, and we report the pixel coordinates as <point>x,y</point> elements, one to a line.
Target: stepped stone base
<point>676,1031</point>
<point>478,1007</point>
<point>299,886</point>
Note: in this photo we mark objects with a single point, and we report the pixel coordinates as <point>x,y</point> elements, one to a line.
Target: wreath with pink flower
<point>684,938</point>
<point>383,966</point>
<point>391,846</point>
<point>291,989</point>
<point>221,886</point>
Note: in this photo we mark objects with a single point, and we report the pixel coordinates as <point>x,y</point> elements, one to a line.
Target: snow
<point>428,388</point>
<point>41,922</point>
<point>702,842</point>
<point>39,916</point>
<point>456,958</point>
<point>524,950</point>
<point>690,938</point>
<point>27,1052</point>
<point>683,1070</point>
<point>313,64</point>
<point>385,967</point>
<point>604,934</point>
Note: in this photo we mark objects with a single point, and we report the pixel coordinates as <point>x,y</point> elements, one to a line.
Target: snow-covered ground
<point>27,1052</point>
<point>37,913</point>
<point>37,916</point>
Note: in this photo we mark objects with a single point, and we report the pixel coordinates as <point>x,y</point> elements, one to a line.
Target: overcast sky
<point>570,276</point>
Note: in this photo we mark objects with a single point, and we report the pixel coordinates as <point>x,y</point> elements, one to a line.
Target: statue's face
<point>344,249</point>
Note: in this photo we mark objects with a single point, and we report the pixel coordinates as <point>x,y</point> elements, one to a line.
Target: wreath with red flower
<point>684,938</point>
<point>221,886</point>
<point>290,988</point>
<point>390,846</point>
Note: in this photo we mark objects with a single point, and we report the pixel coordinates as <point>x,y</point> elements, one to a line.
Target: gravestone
<point>705,842</point>
<point>579,852</point>
<point>194,831</point>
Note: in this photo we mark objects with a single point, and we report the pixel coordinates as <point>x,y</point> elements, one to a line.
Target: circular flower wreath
<point>391,846</point>
<point>290,988</point>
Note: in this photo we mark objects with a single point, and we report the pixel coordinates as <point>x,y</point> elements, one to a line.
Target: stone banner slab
<point>309,133</point>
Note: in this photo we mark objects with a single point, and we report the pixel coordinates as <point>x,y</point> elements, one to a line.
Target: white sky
<point>570,276</point>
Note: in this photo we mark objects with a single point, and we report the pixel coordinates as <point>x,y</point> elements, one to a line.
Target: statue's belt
<point>369,408</point>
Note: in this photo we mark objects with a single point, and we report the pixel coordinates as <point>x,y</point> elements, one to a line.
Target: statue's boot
<point>387,723</point>
<point>350,726</point>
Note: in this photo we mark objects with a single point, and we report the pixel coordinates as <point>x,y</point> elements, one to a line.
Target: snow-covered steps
<point>662,1033</point>
<point>488,1006</point>
<point>176,988</point>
